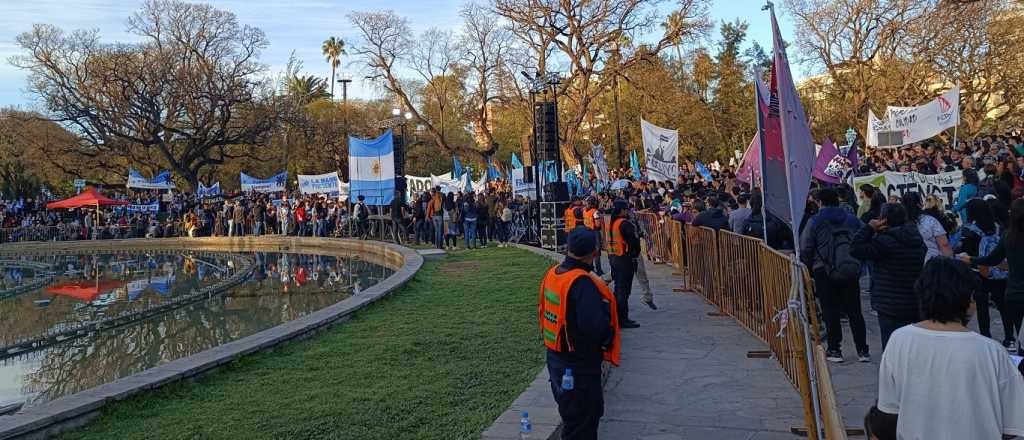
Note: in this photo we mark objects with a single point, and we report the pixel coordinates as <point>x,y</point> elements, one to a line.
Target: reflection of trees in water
<point>260,303</point>
<point>21,318</point>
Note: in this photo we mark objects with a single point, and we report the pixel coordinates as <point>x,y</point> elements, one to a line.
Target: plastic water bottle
<point>525,428</point>
<point>568,383</point>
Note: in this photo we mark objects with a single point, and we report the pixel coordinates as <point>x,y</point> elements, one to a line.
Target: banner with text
<point>945,185</point>
<point>160,181</point>
<point>661,149</point>
<point>326,183</point>
<point>907,125</point>
<point>268,185</point>
<point>149,208</point>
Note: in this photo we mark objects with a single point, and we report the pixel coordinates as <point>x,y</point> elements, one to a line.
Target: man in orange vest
<point>623,244</point>
<point>580,328</point>
<point>573,215</point>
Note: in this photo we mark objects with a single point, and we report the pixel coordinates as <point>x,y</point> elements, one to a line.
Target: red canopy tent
<point>89,197</point>
<point>85,291</point>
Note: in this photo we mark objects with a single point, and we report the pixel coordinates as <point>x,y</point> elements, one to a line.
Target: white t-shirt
<point>950,385</point>
<point>930,228</point>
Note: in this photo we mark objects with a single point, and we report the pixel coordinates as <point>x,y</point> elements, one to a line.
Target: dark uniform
<point>624,265</point>
<point>580,331</point>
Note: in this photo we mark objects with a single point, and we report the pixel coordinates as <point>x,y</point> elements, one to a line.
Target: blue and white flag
<point>160,181</point>
<point>456,168</point>
<point>268,185</point>
<point>634,165</point>
<point>703,170</point>
<point>371,169</point>
<point>149,208</point>
<point>516,163</point>
<point>208,191</point>
<point>492,171</point>
<point>600,164</point>
<point>326,183</point>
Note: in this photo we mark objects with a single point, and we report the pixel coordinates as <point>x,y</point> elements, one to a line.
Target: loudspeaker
<point>552,239</point>
<point>552,212</point>
<point>398,143</point>
<point>545,116</point>
<point>556,192</point>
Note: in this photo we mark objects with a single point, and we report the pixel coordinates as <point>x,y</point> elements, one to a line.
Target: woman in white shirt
<point>932,232</point>
<point>942,380</point>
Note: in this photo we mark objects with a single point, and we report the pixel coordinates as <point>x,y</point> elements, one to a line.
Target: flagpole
<point>795,278</point>
<point>957,126</point>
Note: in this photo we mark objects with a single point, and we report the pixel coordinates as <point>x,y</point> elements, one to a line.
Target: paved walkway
<point>685,375</point>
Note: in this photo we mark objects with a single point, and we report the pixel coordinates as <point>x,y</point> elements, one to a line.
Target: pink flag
<point>797,146</point>
<point>750,166</point>
<point>831,166</point>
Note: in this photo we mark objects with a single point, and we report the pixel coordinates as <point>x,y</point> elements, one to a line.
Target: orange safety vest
<point>615,244</point>
<point>589,221</point>
<point>570,219</point>
<point>554,295</point>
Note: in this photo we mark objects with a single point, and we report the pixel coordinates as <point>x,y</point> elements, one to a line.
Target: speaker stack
<point>552,225</point>
<point>545,116</point>
<point>556,194</point>
<point>398,143</point>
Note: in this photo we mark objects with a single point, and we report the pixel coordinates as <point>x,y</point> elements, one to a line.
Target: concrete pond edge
<point>71,412</point>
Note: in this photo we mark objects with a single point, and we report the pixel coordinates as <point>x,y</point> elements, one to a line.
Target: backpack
<point>362,213</point>
<point>986,246</point>
<point>834,251</point>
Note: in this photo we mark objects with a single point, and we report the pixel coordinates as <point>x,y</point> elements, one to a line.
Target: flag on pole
<point>516,163</point>
<point>456,168</point>
<point>634,164</point>
<point>831,167</point>
<point>749,170</point>
<point>795,164</point>
<point>371,169</point>
<point>703,170</point>
<point>492,171</point>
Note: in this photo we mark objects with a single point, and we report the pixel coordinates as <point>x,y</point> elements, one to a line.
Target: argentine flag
<point>371,169</point>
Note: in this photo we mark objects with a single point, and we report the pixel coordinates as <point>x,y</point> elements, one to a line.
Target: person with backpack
<point>825,247</point>
<point>362,217</point>
<point>980,236</point>
<point>895,250</point>
<point>1011,250</point>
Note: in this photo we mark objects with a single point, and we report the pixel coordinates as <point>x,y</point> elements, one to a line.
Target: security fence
<point>754,284</point>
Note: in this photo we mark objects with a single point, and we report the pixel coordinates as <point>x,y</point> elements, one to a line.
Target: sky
<point>294,25</point>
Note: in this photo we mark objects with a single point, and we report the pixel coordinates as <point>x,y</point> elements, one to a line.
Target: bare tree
<point>579,37</point>
<point>186,96</point>
<point>486,46</point>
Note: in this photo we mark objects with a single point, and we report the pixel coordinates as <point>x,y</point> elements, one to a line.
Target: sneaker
<point>863,356</point>
<point>834,356</point>
<point>630,324</point>
<point>649,303</point>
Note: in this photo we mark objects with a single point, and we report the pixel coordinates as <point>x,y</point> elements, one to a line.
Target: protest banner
<point>148,208</point>
<point>326,183</point>
<point>661,150</point>
<point>268,185</point>
<point>907,125</point>
<point>520,187</point>
<point>944,185</point>
<point>160,181</point>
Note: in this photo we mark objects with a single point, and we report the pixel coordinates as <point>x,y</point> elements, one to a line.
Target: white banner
<point>661,150</point>
<point>915,124</point>
<point>326,183</point>
<point>945,185</point>
<point>520,187</point>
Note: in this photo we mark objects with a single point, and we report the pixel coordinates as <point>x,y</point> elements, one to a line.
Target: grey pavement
<point>685,375</point>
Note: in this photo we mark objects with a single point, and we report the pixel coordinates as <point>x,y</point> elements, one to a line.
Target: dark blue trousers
<point>582,407</point>
<point>623,270</point>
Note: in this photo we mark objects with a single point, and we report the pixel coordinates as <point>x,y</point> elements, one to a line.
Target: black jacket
<point>818,233</point>
<point>713,218</point>
<point>896,256</point>
<point>587,323</point>
<point>631,236</point>
<point>1014,256</point>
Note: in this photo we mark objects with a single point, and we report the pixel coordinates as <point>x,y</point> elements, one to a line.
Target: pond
<point>72,322</point>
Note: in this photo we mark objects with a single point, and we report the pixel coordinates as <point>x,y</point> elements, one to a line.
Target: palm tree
<point>674,29</point>
<point>306,88</point>
<point>333,49</point>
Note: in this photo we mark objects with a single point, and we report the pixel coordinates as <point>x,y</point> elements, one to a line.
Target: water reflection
<point>282,287</point>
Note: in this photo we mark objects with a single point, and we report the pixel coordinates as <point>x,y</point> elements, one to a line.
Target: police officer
<point>580,328</point>
<point>623,244</point>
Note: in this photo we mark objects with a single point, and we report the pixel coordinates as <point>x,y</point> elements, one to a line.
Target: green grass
<point>439,359</point>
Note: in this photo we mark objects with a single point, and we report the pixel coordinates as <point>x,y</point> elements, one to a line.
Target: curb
<point>70,412</point>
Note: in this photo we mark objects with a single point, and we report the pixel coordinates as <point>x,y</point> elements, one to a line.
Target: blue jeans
<point>469,226</point>
<point>438,231</point>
